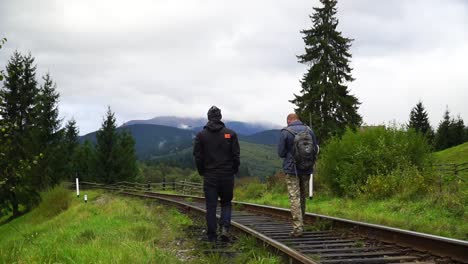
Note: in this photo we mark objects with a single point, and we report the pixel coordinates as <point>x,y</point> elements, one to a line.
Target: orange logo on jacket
<point>227,135</point>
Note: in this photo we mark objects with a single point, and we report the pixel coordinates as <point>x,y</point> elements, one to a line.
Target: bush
<point>54,202</point>
<point>346,164</point>
<point>249,188</point>
<point>404,183</point>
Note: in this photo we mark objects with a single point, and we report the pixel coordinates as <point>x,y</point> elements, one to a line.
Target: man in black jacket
<point>216,152</point>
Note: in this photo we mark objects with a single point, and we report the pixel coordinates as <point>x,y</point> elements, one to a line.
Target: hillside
<point>268,137</point>
<point>153,140</point>
<point>257,160</point>
<point>457,154</point>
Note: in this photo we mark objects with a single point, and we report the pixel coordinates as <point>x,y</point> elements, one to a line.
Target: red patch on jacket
<point>227,135</point>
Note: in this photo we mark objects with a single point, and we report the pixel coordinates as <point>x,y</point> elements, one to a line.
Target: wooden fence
<point>184,187</point>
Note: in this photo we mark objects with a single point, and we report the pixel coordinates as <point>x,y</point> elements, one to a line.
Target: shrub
<point>54,202</point>
<point>346,164</point>
<point>404,183</point>
<point>249,188</point>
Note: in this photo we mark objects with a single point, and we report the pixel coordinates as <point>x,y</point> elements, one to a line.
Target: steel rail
<point>437,245</point>
<point>294,255</point>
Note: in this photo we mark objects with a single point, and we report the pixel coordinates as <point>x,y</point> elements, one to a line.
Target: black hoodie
<point>216,150</point>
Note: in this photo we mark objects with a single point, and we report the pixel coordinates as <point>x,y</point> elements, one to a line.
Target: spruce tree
<point>106,148</point>
<point>419,121</point>
<point>85,162</point>
<point>442,139</point>
<point>70,145</point>
<point>457,131</point>
<point>47,135</point>
<point>17,103</point>
<point>325,98</point>
<point>127,161</point>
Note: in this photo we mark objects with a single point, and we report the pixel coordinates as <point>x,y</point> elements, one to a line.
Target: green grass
<point>105,230</point>
<point>111,229</point>
<point>444,217</point>
<point>457,154</point>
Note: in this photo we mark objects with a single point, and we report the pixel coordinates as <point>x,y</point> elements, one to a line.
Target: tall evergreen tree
<point>457,131</point>
<point>106,148</point>
<point>70,145</point>
<point>17,102</point>
<point>127,161</point>
<point>85,162</point>
<point>442,139</point>
<point>419,121</point>
<point>324,96</point>
<point>47,135</point>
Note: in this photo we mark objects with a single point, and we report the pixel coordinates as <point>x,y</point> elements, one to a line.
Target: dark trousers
<point>213,188</point>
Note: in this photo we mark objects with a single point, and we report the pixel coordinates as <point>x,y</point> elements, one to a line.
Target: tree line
<point>37,151</point>
<point>450,132</point>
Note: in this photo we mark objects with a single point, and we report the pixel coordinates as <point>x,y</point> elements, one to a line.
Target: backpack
<point>304,149</point>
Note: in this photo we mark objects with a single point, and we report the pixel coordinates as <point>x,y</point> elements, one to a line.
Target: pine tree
<point>106,148</point>
<point>47,135</point>
<point>442,134</point>
<point>419,121</point>
<point>324,97</point>
<point>17,102</point>
<point>127,161</point>
<point>85,162</point>
<point>457,131</point>
<point>70,145</point>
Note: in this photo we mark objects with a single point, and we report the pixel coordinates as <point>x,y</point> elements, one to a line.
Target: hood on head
<point>214,126</point>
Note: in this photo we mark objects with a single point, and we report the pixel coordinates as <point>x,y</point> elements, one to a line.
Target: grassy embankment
<point>444,216</point>
<point>110,229</point>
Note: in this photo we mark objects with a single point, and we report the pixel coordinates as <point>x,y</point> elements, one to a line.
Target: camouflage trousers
<point>297,190</point>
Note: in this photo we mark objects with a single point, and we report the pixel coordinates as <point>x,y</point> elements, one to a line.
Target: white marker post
<point>77,188</point>
<point>311,186</point>
<point>85,198</point>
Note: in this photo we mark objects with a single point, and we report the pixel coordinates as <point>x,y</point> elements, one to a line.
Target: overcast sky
<point>148,58</point>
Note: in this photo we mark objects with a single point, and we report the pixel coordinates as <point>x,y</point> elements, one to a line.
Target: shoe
<point>224,234</point>
<point>295,233</point>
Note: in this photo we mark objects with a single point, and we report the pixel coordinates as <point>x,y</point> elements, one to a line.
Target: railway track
<point>326,239</point>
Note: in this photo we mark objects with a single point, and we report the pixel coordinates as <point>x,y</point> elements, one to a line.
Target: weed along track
<point>326,239</point>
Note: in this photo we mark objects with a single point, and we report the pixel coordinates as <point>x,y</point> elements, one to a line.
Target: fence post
<point>164,184</point>
<point>173,186</point>
<point>77,188</point>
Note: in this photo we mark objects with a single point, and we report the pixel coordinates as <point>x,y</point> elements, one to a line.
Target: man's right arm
<point>198,154</point>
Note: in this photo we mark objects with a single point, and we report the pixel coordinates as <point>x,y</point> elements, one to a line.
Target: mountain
<point>172,121</point>
<point>268,137</point>
<point>151,140</point>
<point>196,124</point>
<point>170,145</point>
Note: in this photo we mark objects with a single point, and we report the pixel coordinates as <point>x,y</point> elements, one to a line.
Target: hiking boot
<point>295,233</point>
<point>224,234</point>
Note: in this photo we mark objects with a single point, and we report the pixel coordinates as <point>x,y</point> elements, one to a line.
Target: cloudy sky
<point>149,58</point>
